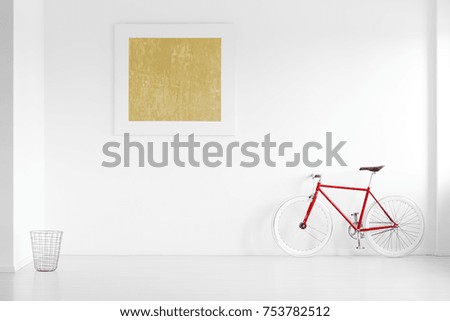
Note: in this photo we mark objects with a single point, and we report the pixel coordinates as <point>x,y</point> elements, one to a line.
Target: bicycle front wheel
<point>399,241</point>
<point>302,242</point>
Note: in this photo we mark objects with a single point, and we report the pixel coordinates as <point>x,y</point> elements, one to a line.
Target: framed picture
<point>174,79</point>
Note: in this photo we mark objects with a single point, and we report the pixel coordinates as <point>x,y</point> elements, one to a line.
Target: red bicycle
<point>393,226</point>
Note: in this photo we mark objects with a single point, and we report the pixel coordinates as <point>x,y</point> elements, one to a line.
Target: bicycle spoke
<point>382,231</point>
<point>398,209</point>
<point>382,239</point>
<point>378,237</point>
<point>391,210</point>
<point>379,216</point>
<point>324,233</point>
<point>409,233</point>
<point>416,224</point>
<point>400,242</point>
<point>382,223</point>
<point>410,220</point>
<point>386,241</point>
<point>311,235</point>
<point>397,242</point>
<point>406,242</point>
<point>409,212</point>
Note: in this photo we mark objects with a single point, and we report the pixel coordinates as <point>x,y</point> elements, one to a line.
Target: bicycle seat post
<point>371,176</point>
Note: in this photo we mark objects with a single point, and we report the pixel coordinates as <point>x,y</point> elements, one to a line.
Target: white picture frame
<point>122,124</point>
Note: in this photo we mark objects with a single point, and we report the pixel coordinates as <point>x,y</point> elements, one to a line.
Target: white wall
<point>28,125</point>
<point>360,69</point>
<point>6,135</point>
<point>443,130</point>
<point>21,129</point>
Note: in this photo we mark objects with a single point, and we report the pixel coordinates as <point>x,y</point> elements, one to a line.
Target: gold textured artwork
<point>174,79</point>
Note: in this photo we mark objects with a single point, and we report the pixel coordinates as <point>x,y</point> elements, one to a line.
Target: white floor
<point>233,278</point>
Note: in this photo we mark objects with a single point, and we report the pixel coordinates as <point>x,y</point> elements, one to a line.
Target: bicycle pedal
<point>360,248</point>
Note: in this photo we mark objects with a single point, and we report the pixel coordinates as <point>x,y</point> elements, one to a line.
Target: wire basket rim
<point>44,231</point>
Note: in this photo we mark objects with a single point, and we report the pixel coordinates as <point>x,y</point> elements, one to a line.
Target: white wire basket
<point>46,246</point>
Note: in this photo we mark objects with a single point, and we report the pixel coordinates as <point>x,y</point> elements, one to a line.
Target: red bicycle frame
<point>319,189</point>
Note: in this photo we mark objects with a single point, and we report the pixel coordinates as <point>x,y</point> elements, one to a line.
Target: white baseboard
<point>7,269</point>
<point>442,253</point>
<point>22,263</point>
<point>336,252</point>
<point>17,266</point>
<point>255,252</point>
<point>352,252</point>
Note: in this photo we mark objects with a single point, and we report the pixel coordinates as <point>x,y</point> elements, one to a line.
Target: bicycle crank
<point>359,236</point>
<point>351,231</point>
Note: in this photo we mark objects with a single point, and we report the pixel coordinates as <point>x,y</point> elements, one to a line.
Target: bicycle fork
<point>313,198</point>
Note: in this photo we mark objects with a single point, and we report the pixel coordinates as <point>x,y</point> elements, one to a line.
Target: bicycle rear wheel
<point>294,240</point>
<point>400,241</point>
